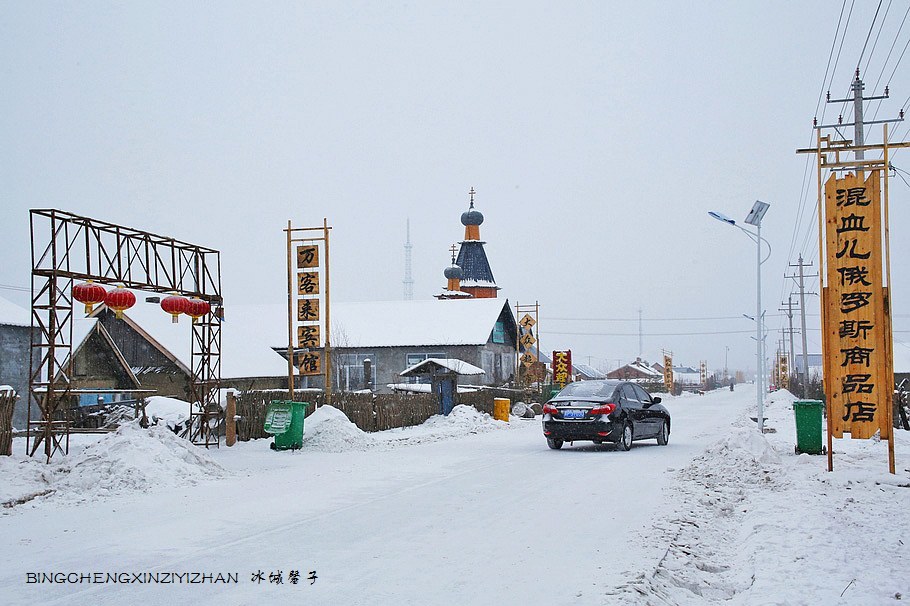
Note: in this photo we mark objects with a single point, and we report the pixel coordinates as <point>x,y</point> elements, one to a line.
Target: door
<point>446,395</point>
<point>651,416</point>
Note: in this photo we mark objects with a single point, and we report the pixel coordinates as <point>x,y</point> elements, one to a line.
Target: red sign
<point>562,367</point>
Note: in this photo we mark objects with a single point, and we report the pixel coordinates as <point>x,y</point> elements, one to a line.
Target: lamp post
<point>754,218</point>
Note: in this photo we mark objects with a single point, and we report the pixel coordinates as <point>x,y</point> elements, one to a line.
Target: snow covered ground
<point>462,509</point>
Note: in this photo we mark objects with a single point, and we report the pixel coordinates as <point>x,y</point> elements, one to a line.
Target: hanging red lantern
<point>119,299</point>
<point>198,308</point>
<point>89,293</point>
<point>175,305</point>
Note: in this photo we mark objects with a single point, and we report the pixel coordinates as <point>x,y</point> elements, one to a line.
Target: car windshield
<point>587,389</point>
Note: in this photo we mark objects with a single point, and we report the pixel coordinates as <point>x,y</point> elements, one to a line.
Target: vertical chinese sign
<point>562,367</point>
<point>703,373</point>
<point>855,308</point>
<point>783,371</point>
<point>308,306</point>
<point>668,371</point>
<point>526,341</point>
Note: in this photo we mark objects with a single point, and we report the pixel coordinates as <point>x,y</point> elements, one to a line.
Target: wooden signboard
<point>856,314</point>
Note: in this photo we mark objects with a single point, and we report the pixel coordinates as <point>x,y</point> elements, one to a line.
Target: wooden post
<point>290,320</point>
<point>328,326</point>
<point>230,426</point>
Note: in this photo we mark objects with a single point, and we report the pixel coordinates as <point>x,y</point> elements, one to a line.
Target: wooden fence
<point>7,401</point>
<point>369,412</point>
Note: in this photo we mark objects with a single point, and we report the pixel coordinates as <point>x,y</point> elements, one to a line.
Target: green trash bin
<point>808,415</point>
<point>284,420</point>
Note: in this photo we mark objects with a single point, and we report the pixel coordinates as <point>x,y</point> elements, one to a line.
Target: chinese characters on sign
<point>668,372</point>
<point>857,337</point>
<point>783,371</point>
<point>309,362</point>
<point>562,367</point>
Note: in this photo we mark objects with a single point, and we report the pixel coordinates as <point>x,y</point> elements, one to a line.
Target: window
<point>643,396</point>
<point>499,333</point>
<point>349,371</point>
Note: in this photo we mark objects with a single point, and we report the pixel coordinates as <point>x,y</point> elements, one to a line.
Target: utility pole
<point>801,283</point>
<point>641,348</point>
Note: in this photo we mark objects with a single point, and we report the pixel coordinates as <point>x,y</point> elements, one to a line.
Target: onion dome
<point>453,272</point>
<point>471,216</point>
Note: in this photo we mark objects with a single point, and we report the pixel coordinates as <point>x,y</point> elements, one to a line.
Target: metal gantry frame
<point>67,247</point>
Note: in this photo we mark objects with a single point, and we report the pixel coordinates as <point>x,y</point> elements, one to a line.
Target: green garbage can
<point>284,420</point>
<point>808,415</point>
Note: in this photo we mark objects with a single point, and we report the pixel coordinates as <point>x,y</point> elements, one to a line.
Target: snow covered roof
<point>901,357</point>
<point>247,335</point>
<point>457,366</point>
<point>429,322</point>
<point>588,371</point>
<point>250,332</point>
<point>473,261</point>
<point>427,388</point>
<point>14,315</point>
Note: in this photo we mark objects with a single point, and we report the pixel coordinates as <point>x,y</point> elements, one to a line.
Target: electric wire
<point>885,64</point>
<point>869,35</point>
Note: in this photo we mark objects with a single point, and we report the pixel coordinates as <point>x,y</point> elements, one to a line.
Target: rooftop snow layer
<point>13,315</point>
<point>457,366</point>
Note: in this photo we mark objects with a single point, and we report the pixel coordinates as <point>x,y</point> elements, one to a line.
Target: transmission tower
<point>408,279</point>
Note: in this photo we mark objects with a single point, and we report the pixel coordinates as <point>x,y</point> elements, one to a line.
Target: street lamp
<point>754,218</point>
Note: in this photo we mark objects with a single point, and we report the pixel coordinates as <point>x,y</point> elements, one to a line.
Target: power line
<point>869,35</point>
<point>690,319</point>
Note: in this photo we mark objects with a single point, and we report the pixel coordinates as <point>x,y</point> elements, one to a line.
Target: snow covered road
<point>462,510</point>
<point>491,517</point>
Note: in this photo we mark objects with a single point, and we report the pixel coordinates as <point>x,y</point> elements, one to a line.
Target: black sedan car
<point>605,411</point>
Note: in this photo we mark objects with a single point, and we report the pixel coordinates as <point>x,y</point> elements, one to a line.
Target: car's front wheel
<point>554,444</point>
<point>625,440</point>
<point>664,434</point>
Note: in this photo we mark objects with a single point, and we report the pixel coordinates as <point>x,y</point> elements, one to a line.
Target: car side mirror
<point>655,400</point>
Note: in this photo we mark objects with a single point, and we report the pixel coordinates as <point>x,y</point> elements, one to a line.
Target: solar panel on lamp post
<point>754,218</point>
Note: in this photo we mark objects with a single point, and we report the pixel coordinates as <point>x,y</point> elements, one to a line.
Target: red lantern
<point>119,299</point>
<point>175,305</point>
<point>89,293</point>
<point>198,308</point>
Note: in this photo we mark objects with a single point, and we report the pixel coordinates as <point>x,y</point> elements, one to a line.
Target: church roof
<point>474,265</point>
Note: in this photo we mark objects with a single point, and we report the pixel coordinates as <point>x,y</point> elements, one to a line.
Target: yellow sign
<point>783,369</point>
<point>857,337</point>
<point>308,337</point>
<point>527,359</point>
<point>307,257</point>
<point>310,363</point>
<point>668,373</point>
<point>307,310</point>
<point>527,321</point>
<point>527,340</point>
<point>308,283</point>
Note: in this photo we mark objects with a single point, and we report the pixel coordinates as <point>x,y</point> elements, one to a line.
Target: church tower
<point>476,277</point>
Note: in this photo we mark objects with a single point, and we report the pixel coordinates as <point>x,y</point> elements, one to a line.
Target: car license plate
<point>573,414</point>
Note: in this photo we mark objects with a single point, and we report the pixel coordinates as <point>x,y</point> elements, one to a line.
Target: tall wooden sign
<point>309,348</point>
<point>856,315</point>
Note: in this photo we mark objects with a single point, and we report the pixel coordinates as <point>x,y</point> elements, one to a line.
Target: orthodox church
<point>469,276</point>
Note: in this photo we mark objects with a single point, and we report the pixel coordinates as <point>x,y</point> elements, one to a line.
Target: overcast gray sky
<point>597,136</point>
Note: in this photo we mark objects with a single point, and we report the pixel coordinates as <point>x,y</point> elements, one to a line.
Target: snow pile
<point>462,421</point>
<point>329,430</point>
<point>134,459</point>
<point>167,411</point>
<point>750,513</point>
<point>746,446</point>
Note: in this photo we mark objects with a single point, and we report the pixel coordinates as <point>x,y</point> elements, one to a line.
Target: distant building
<point>636,371</point>
<point>397,335</point>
